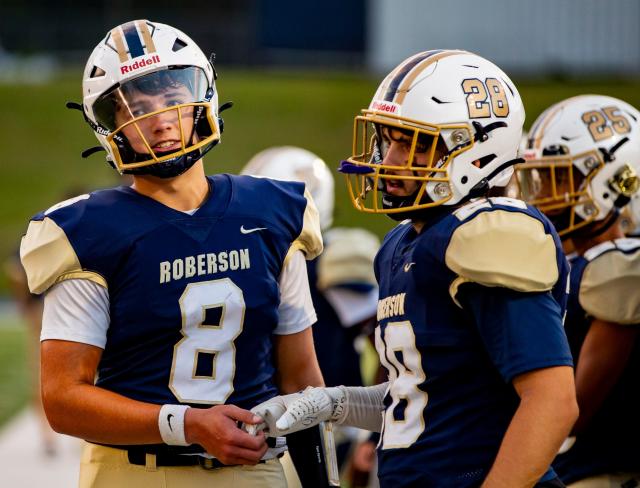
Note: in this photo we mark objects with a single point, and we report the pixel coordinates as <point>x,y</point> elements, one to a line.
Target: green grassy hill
<point>42,141</point>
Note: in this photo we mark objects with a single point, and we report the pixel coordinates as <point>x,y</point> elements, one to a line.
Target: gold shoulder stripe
<point>609,289</point>
<point>501,248</point>
<point>310,239</point>
<point>48,257</point>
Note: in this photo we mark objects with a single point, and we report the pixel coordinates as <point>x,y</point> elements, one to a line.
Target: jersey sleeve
<point>309,241</point>
<point>49,258</point>
<point>521,331</point>
<point>502,248</point>
<point>609,289</point>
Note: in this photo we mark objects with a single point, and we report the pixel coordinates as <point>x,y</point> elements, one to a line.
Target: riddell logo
<point>384,107</point>
<point>141,63</point>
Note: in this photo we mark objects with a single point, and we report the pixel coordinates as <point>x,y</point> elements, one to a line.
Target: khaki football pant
<point>106,467</point>
<point>607,481</point>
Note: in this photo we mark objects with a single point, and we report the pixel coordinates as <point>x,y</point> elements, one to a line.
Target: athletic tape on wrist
<point>171,424</point>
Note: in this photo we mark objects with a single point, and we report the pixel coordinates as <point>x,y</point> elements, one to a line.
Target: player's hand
<point>308,409</point>
<point>216,429</point>
<point>269,412</point>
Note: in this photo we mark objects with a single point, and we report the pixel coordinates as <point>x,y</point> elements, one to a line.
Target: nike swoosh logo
<point>407,267</point>
<point>249,231</point>
<point>169,421</point>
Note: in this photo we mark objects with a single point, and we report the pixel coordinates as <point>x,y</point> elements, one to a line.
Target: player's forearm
<point>297,364</point>
<point>542,421</point>
<point>98,415</point>
<point>603,357</point>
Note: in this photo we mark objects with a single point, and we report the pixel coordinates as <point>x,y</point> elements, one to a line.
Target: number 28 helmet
<point>458,109</point>
<point>149,94</point>
<point>582,159</point>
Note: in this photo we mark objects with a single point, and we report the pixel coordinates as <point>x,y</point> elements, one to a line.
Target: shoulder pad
<point>611,280</point>
<point>309,241</point>
<point>348,258</point>
<point>504,248</point>
<point>48,257</point>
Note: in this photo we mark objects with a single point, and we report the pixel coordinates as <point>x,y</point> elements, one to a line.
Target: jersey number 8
<point>215,341</point>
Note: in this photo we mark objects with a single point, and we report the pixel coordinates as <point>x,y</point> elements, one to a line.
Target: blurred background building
<point>568,37</point>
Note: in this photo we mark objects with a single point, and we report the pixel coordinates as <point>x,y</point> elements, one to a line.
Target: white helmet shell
<point>600,135</point>
<point>291,163</point>
<point>135,49</point>
<point>453,96</point>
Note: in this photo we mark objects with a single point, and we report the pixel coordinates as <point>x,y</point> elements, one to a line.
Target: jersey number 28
<point>404,418</point>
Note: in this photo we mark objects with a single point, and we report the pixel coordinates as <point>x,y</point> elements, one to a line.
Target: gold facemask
<point>426,162</point>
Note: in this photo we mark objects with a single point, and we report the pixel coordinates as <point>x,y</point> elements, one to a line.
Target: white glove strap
<point>171,424</point>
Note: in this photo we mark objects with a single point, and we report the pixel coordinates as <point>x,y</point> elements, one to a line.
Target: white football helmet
<point>149,94</point>
<point>291,163</point>
<point>582,162</point>
<point>460,119</point>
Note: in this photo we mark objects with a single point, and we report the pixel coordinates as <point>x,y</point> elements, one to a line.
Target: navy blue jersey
<point>193,298</point>
<point>609,443</point>
<point>474,300</point>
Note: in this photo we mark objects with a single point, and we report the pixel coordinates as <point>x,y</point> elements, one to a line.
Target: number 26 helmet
<point>582,159</point>
<point>149,94</point>
<point>459,118</point>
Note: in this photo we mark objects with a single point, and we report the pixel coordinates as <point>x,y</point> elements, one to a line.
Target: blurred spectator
<point>30,308</point>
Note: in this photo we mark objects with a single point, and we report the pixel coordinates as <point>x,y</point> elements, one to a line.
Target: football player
<point>343,286</point>
<point>472,289</point>
<point>583,156</point>
<point>175,305</point>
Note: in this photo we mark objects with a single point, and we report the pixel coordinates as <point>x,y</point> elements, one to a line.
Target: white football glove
<point>356,406</point>
<point>314,406</point>
<point>270,411</point>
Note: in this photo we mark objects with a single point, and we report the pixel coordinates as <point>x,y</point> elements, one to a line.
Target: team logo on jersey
<point>249,231</point>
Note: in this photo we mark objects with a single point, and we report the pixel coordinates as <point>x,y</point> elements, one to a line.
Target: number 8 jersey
<point>473,300</point>
<point>193,299</point>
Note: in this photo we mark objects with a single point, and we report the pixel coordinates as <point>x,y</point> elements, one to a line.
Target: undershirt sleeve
<point>296,311</point>
<point>76,310</point>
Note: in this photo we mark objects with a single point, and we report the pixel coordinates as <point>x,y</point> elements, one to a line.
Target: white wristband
<point>171,424</point>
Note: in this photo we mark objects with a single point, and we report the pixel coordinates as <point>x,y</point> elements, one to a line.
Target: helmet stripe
<point>133,40</point>
<point>402,70</point>
<point>408,80</point>
<point>119,42</point>
<point>146,35</point>
<point>537,131</point>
